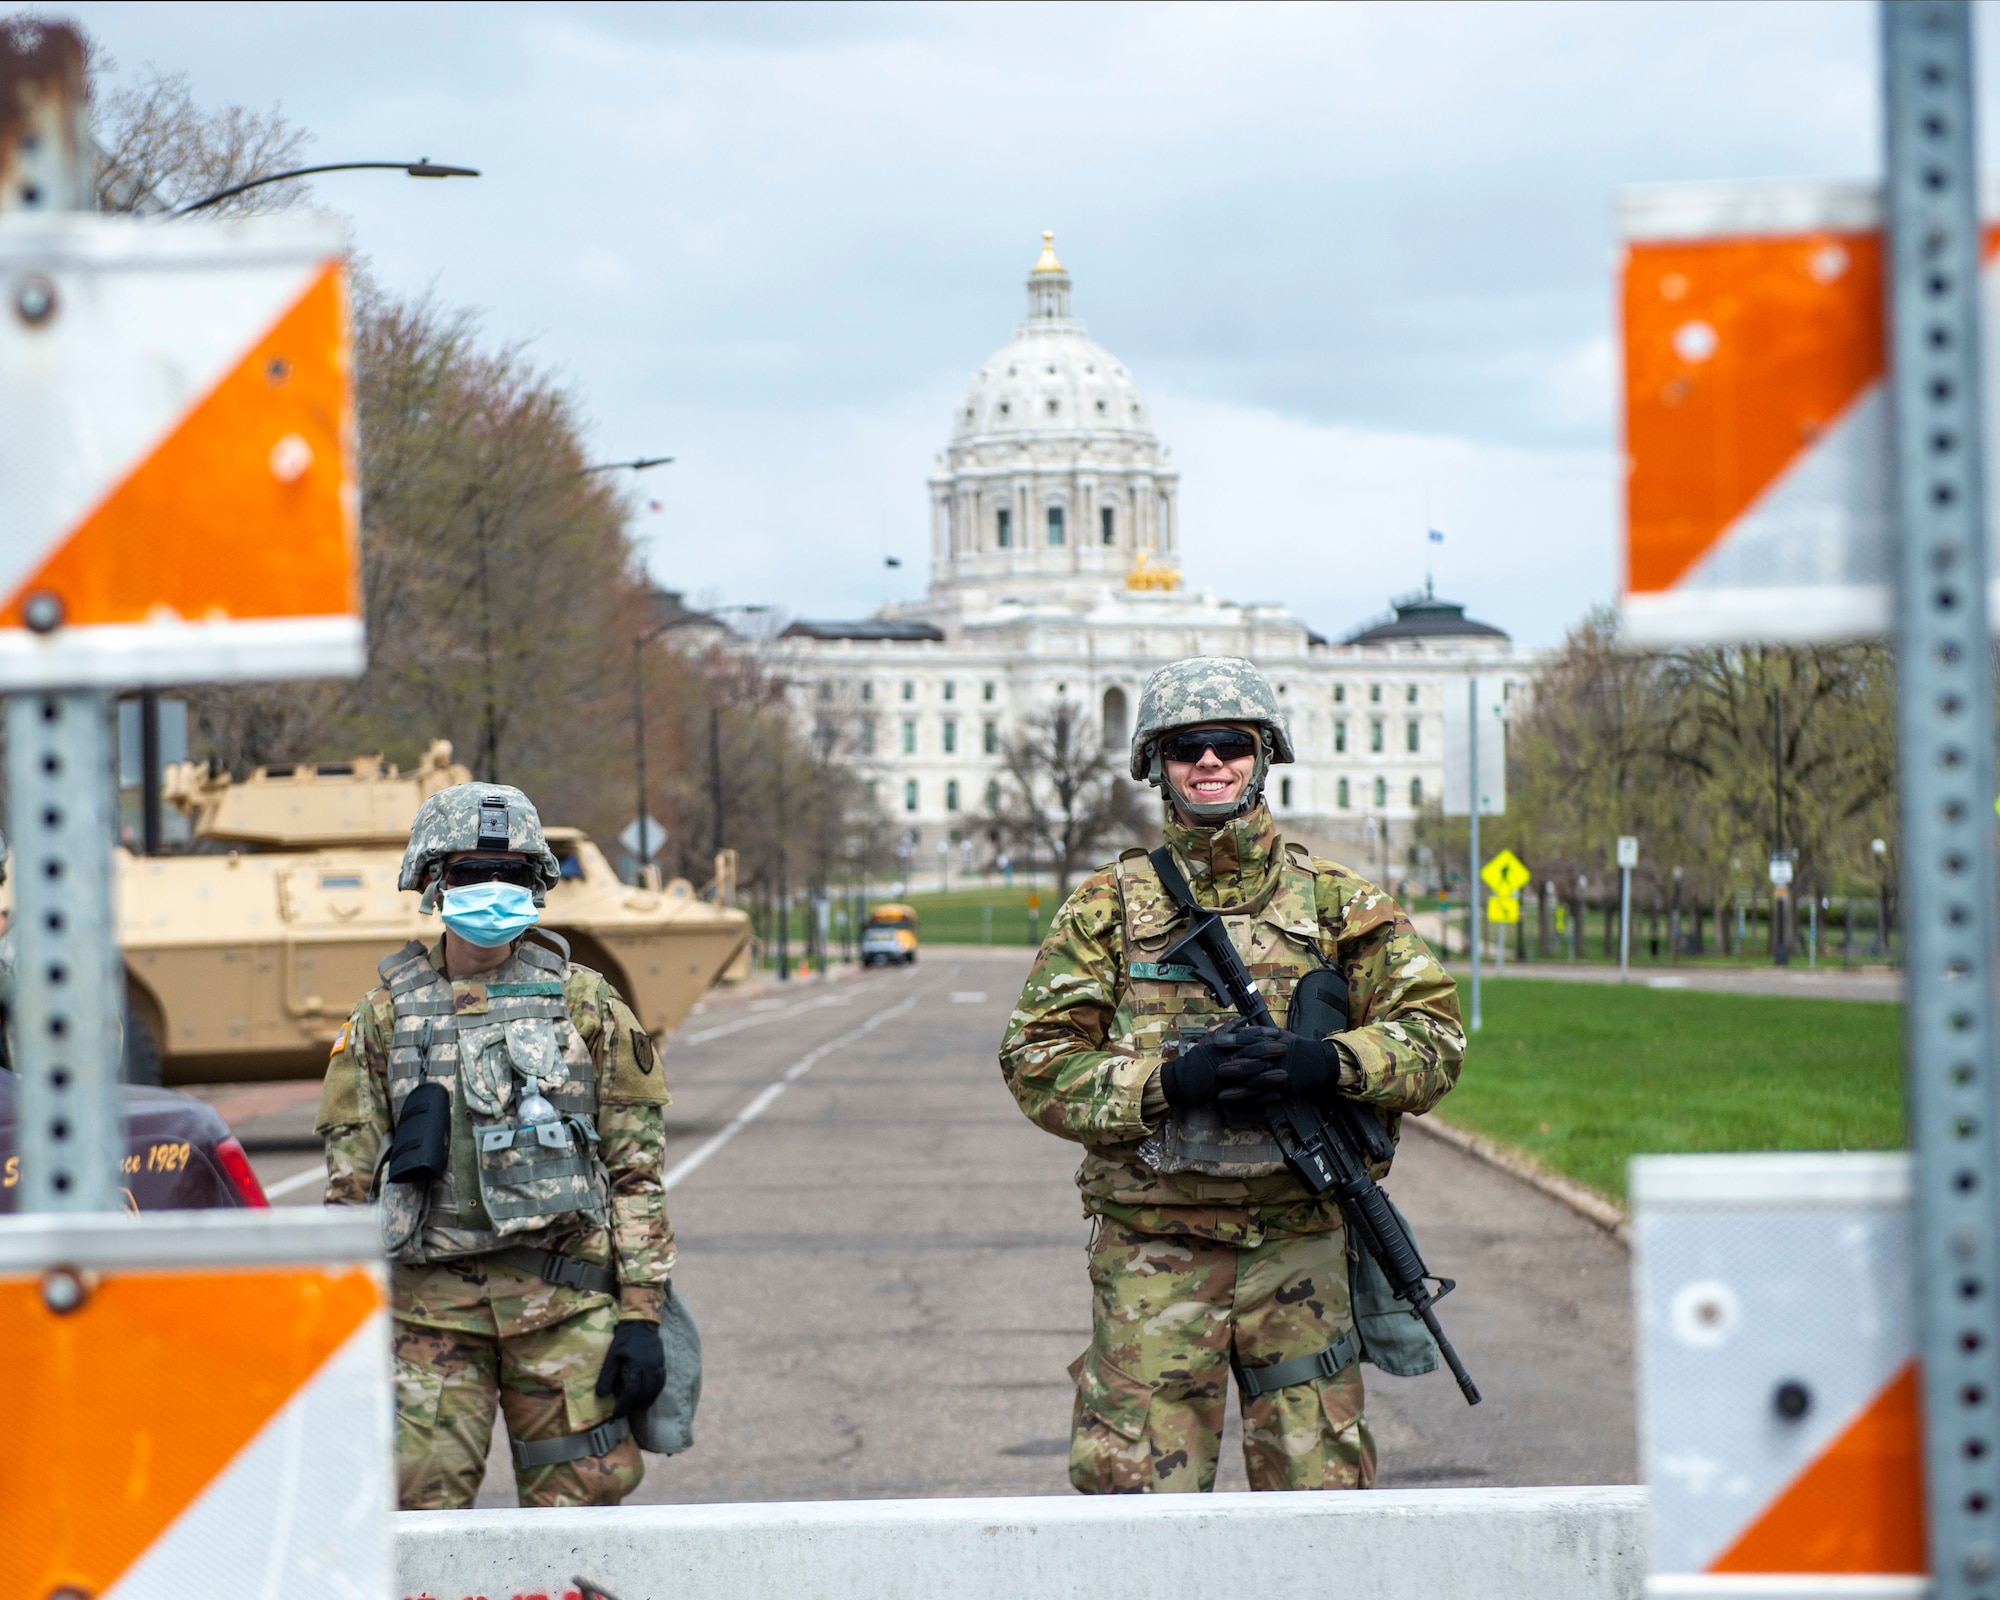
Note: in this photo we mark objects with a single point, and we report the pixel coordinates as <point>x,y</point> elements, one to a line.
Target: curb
<point>1585,1201</point>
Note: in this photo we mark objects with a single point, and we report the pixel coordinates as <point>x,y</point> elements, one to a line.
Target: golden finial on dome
<point>1144,575</point>
<point>1047,261</point>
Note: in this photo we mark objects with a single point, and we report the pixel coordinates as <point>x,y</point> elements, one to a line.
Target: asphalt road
<point>886,1261</point>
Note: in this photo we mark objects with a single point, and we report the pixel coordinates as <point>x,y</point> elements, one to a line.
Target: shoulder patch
<point>339,1041</point>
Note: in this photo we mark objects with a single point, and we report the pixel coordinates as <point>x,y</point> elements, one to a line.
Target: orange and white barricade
<point>201,1405</point>
<point>1756,411</point>
<point>177,452</point>
<point>1778,1400</point>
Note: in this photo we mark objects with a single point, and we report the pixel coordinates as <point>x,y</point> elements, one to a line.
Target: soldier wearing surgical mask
<point>503,1107</point>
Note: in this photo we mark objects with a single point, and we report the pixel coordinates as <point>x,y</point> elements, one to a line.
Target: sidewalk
<point>1798,983</point>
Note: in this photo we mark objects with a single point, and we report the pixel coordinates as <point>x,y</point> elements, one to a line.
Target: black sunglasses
<point>464,874</point>
<point>1229,744</point>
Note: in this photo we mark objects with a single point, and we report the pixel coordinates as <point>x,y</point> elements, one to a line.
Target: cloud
<point>1332,520</point>
<point>1364,246</point>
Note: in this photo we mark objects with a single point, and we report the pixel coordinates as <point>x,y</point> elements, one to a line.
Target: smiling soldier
<point>505,1108</point>
<point>1207,1254</point>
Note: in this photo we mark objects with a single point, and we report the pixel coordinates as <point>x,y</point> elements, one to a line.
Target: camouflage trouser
<point>449,1383</point>
<point>1152,1386</point>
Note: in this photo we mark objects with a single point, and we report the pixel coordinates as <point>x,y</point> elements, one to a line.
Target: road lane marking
<point>968,997</point>
<point>295,1182</point>
<point>763,1098</point>
<point>724,1029</point>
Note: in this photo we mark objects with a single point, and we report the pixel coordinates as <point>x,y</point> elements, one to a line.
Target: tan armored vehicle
<point>242,964</point>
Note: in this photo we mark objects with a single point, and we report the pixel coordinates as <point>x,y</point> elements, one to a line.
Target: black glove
<point>1190,1079</point>
<point>635,1367</point>
<point>1270,1061</point>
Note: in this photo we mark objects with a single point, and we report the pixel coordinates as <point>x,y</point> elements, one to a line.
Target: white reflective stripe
<point>301,1513</point>
<point>107,655</point>
<point>756,1108</point>
<point>294,1183</point>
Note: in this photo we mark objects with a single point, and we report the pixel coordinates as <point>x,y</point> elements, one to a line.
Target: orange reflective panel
<point>125,1409</point>
<point>1858,1508</point>
<point>246,509</point>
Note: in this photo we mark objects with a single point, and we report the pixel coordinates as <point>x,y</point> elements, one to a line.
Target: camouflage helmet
<point>1204,690</point>
<point>472,817</point>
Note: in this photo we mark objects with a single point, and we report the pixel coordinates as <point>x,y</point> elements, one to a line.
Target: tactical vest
<point>1277,934</point>
<point>490,1044</point>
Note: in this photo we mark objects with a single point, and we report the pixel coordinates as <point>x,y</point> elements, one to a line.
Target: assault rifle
<point>1324,1152</point>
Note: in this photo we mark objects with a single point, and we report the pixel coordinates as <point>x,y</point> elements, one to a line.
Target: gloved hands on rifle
<point>635,1367</point>
<point>1192,1077</point>
<point>1271,1061</point>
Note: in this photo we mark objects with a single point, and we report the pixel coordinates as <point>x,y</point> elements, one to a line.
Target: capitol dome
<point>1051,378</point>
<point>1053,475</point>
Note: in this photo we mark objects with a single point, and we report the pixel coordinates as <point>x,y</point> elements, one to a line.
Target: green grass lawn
<point>959,915</point>
<point>1585,1076</point>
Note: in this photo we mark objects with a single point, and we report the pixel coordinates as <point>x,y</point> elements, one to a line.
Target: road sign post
<point>176,457</point>
<point>1628,858</point>
<point>1944,693</point>
<point>1781,905</point>
<point>1474,788</point>
<point>1505,875</point>
<point>1472,854</point>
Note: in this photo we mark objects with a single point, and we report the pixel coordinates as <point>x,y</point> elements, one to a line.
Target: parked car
<point>891,935</point>
<point>179,1154</point>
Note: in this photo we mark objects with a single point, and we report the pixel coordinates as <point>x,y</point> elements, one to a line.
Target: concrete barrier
<point>1393,1544</point>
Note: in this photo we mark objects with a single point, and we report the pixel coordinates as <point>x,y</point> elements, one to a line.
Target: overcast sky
<point>1358,258</point>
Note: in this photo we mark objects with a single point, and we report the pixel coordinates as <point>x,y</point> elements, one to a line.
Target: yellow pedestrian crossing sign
<point>1503,908</point>
<point>1505,875</point>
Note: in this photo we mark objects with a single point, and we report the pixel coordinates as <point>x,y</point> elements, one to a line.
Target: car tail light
<point>237,1165</point>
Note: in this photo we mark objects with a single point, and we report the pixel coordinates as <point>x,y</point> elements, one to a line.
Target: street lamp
<point>426,168</point>
<point>639,642</point>
<point>638,465</point>
<point>1880,849</point>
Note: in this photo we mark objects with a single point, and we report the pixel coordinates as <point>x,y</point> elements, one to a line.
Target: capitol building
<point>1056,540</point>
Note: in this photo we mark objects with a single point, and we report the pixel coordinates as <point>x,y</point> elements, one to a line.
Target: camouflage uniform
<point>1189,1266</point>
<point>474,1333</point>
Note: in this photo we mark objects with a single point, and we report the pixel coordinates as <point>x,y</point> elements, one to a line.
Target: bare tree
<point>1695,751</point>
<point>161,150</point>
<point>1064,793</point>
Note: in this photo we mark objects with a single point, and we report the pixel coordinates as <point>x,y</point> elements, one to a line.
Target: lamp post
<point>1880,849</point>
<point>425,168</point>
<point>639,642</point>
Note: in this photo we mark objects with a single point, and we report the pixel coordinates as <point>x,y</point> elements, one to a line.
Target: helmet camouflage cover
<point>467,817</point>
<point>1205,689</point>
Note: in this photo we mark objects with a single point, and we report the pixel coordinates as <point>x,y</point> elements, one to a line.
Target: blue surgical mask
<point>489,914</point>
